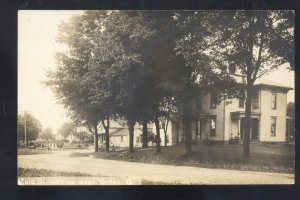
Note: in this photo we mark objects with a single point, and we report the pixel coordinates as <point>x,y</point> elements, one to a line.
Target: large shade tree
<point>200,72</point>
<point>74,81</point>
<point>255,43</point>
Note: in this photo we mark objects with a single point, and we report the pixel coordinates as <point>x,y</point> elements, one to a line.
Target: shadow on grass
<point>265,158</point>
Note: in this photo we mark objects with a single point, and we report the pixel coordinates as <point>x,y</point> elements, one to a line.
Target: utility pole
<point>25,134</point>
<point>25,128</point>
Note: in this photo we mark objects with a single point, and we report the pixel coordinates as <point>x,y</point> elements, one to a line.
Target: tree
<point>47,135</point>
<point>168,108</point>
<point>252,43</point>
<point>255,43</point>
<point>198,71</point>
<point>77,81</point>
<point>33,127</point>
<point>66,129</point>
<point>158,57</point>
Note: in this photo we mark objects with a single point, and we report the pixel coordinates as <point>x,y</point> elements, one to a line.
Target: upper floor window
<point>241,102</point>
<point>255,103</point>
<point>212,126</point>
<point>273,126</point>
<point>231,69</point>
<point>274,101</point>
<point>121,138</point>
<point>213,100</point>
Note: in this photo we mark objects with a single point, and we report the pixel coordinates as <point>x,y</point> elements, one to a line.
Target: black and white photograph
<point>156,97</point>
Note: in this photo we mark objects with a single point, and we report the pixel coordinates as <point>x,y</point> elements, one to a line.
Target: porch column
<point>230,126</point>
<point>239,128</point>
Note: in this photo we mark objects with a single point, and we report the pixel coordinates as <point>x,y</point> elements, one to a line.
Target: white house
<point>220,122</point>
<point>119,134</point>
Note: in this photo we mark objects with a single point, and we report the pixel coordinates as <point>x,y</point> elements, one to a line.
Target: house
<point>221,122</point>
<point>81,133</point>
<point>119,134</point>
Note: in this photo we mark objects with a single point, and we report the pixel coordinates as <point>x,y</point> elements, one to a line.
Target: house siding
<point>226,127</point>
<point>268,112</point>
<point>219,112</point>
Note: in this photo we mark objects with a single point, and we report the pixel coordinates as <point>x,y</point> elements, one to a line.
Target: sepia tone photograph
<point>142,97</point>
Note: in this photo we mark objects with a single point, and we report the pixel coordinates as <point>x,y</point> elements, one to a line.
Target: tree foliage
<point>66,129</point>
<point>47,135</point>
<point>139,65</point>
<point>33,127</point>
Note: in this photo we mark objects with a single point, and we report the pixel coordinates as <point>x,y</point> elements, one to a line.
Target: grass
<point>264,157</point>
<point>32,152</point>
<point>26,172</point>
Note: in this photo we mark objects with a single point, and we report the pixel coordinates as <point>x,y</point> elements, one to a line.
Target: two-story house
<point>221,122</point>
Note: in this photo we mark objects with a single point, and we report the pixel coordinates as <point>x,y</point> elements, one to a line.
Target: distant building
<point>119,134</point>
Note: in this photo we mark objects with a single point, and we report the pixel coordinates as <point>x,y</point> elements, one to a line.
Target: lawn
<point>32,151</point>
<point>264,157</point>
<point>26,172</point>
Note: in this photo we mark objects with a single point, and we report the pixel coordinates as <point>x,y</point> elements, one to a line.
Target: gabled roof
<point>119,132</point>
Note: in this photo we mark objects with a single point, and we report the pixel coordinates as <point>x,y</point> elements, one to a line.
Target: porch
<point>237,125</point>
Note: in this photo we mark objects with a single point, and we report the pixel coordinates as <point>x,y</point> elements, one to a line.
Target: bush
<point>234,140</point>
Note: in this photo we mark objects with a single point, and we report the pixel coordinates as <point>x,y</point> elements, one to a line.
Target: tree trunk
<point>96,139</point>
<point>107,139</point>
<point>157,138</point>
<point>246,143</point>
<point>165,131</point>
<point>165,138</point>
<point>187,127</point>
<point>145,134</point>
<point>131,134</point>
<point>106,127</point>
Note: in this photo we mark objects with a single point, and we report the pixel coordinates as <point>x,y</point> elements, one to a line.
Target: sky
<point>37,31</point>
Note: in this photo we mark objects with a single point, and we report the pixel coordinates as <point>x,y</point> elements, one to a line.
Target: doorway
<point>254,130</point>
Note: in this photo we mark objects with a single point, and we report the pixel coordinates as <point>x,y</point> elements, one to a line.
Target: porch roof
<point>203,115</point>
<point>239,114</point>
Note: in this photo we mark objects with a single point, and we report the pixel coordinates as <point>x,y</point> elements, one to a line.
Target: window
<point>121,138</point>
<point>137,139</point>
<point>213,100</point>
<point>273,126</point>
<point>167,139</point>
<point>231,69</point>
<point>212,126</point>
<point>274,99</point>
<point>255,103</point>
<point>241,102</point>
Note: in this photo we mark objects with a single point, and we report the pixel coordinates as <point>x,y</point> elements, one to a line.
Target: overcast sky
<point>36,50</point>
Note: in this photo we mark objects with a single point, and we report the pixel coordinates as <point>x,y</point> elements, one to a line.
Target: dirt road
<point>120,172</point>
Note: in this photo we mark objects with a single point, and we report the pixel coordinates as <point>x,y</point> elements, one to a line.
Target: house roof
<point>260,82</point>
<point>119,132</point>
<point>264,82</point>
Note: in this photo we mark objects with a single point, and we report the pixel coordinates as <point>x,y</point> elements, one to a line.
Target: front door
<point>254,128</point>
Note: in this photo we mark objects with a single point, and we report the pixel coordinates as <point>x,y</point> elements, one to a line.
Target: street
<point>120,172</point>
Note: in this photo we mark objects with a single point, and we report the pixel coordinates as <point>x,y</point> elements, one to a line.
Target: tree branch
<point>90,129</point>
<point>270,69</point>
<point>259,56</point>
